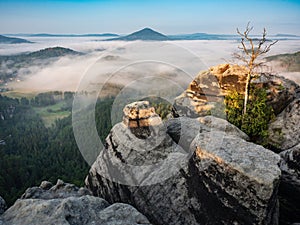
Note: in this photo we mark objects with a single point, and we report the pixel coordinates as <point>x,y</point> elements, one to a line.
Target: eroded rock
<point>284,130</point>
<point>139,116</point>
<point>48,191</point>
<point>64,204</point>
<point>280,91</point>
<point>183,130</point>
<point>289,190</point>
<point>72,210</point>
<point>207,91</point>
<point>218,179</point>
<point>234,175</point>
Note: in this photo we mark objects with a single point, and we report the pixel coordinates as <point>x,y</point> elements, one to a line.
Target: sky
<point>166,16</point>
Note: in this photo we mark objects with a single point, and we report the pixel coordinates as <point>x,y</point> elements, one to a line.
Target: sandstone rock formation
<point>209,88</point>
<point>66,204</point>
<point>212,176</point>
<point>49,191</point>
<point>281,91</point>
<point>139,116</point>
<point>284,131</point>
<point>183,130</point>
<point>289,190</point>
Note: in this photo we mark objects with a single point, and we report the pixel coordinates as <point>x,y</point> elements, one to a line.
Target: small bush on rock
<point>259,114</point>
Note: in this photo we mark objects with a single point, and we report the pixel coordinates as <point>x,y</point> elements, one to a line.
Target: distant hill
<point>286,35</point>
<point>145,34</point>
<point>51,52</point>
<point>203,36</point>
<point>41,54</point>
<point>63,35</point>
<point>10,65</point>
<point>10,40</point>
<point>74,35</point>
<point>291,62</point>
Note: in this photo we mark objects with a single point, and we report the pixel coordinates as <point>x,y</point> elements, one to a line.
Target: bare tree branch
<point>249,55</point>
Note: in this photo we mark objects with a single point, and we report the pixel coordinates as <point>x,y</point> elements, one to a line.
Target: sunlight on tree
<point>251,50</point>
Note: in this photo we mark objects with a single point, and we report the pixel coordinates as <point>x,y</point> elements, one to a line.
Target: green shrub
<point>259,113</point>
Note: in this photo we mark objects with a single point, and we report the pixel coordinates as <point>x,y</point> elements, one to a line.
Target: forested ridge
<point>30,152</point>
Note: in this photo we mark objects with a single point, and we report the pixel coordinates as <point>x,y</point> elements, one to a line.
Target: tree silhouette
<point>251,50</point>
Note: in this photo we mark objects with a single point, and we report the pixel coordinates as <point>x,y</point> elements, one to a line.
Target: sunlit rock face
<point>217,177</point>
<point>140,114</point>
<point>139,117</point>
<point>209,88</point>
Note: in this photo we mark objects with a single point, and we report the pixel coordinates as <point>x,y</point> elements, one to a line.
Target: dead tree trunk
<point>249,55</point>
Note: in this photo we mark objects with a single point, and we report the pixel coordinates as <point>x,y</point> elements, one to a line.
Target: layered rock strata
<point>207,91</point>
<point>200,172</point>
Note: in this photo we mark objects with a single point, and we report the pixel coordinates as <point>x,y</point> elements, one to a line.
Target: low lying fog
<point>125,62</point>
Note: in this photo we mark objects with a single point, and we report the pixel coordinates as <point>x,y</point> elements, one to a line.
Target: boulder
<point>212,176</point>
<point>86,210</point>
<point>183,130</point>
<point>139,116</point>
<point>67,204</point>
<point>284,130</point>
<point>289,189</point>
<point>206,92</point>
<point>237,177</point>
<point>48,191</point>
<point>2,205</point>
<point>281,91</point>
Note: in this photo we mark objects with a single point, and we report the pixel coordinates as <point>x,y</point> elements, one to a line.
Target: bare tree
<point>251,50</point>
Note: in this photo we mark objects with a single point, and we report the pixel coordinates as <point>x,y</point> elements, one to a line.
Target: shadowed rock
<point>183,130</point>
<point>289,190</point>
<point>63,204</point>
<point>72,210</point>
<point>212,176</point>
<point>284,130</point>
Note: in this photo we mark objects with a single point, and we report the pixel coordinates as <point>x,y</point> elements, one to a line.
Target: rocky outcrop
<point>212,176</point>
<point>139,116</point>
<point>72,210</point>
<point>183,130</point>
<point>284,130</point>
<point>2,205</point>
<point>281,91</point>
<point>207,91</point>
<point>49,191</point>
<point>289,189</point>
<point>66,204</point>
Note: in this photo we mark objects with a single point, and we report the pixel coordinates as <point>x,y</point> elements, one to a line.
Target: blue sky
<point>166,16</point>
